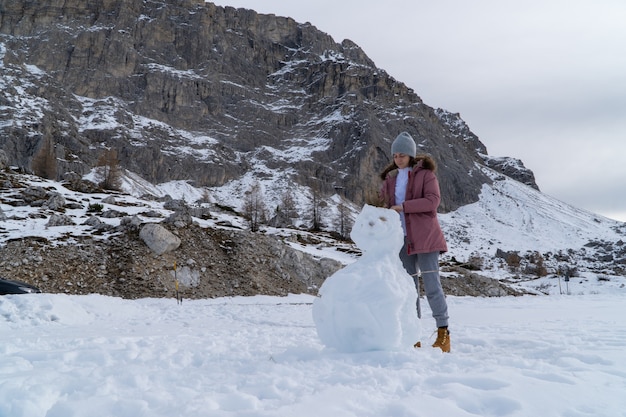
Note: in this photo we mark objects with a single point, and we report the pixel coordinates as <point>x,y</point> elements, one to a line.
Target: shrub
<point>95,208</point>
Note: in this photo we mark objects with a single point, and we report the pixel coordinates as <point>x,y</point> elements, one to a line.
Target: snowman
<point>371,303</point>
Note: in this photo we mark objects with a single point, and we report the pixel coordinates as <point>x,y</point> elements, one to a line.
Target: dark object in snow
<point>8,286</point>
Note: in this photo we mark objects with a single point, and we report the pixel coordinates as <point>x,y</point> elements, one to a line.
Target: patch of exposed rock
<point>208,263</point>
<point>466,282</point>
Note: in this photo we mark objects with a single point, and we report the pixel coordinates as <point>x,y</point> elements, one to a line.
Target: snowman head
<point>378,230</point>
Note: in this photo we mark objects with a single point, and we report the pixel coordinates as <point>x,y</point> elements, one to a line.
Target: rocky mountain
<point>188,90</point>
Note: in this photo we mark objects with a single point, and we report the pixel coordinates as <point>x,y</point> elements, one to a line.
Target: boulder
<point>159,239</point>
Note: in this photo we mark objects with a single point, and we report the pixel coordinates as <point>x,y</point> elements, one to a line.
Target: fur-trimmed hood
<point>422,161</point>
<point>426,161</point>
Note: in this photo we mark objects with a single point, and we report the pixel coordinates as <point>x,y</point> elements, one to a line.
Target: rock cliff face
<point>189,90</point>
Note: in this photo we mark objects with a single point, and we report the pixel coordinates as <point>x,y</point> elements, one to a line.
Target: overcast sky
<point>543,81</point>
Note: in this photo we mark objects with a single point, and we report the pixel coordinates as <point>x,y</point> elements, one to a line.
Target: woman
<point>411,188</point>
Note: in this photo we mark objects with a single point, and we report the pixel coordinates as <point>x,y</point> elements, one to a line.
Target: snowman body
<point>371,303</point>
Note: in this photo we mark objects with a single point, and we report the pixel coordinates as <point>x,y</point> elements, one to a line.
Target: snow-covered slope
<point>512,216</point>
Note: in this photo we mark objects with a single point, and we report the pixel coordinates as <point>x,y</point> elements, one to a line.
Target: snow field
<point>260,356</point>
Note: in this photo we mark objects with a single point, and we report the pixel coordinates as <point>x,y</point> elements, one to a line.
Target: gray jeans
<point>428,265</point>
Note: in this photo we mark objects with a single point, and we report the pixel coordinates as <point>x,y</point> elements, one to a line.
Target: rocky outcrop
<point>514,168</point>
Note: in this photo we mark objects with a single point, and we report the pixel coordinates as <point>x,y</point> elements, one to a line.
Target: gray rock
<point>159,239</point>
<point>179,219</point>
<point>187,276</point>
<point>34,193</point>
<point>93,221</point>
<point>60,220</point>
<point>55,201</point>
<point>130,222</point>
<point>514,168</point>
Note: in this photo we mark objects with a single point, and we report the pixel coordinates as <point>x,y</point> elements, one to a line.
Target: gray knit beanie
<point>405,144</point>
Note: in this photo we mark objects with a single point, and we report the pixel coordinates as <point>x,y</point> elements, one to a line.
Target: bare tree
<point>45,162</point>
<point>254,208</point>
<point>288,205</point>
<point>318,209</point>
<point>109,172</point>
<point>344,221</point>
<point>285,211</point>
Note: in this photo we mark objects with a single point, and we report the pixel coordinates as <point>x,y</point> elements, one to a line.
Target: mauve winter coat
<point>420,209</point>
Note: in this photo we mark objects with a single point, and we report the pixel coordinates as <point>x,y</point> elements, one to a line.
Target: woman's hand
<point>397,208</point>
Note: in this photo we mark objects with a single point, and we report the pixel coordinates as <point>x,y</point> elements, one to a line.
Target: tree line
<point>108,174</point>
<point>108,169</point>
<point>257,213</point>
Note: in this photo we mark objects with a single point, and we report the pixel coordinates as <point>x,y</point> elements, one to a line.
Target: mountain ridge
<point>192,91</point>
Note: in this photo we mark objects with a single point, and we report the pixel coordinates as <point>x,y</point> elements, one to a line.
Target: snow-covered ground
<point>71,356</point>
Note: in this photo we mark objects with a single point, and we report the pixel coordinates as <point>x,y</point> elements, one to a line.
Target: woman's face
<point>401,160</point>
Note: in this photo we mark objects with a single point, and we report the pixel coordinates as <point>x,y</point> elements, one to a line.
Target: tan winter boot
<point>443,339</point>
